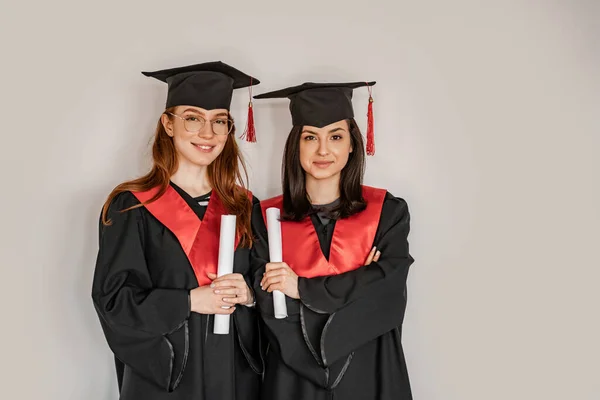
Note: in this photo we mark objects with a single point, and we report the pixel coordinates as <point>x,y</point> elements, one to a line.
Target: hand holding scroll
<point>279,276</point>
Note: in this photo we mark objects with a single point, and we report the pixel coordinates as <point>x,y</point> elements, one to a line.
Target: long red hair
<point>227,175</point>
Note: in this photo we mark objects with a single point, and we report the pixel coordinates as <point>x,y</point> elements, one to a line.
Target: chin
<point>203,162</point>
<point>199,160</point>
<point>322,175</point>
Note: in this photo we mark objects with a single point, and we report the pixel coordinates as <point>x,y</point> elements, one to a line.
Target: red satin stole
<point>352,240</point>
<point>199,239</point>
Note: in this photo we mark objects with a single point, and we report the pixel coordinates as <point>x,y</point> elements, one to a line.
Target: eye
<point>192,118</point>
<point>337,137</point>
<point>310,137</point>
<point>221,122</point>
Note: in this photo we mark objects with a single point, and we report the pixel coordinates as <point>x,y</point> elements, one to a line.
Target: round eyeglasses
<point>195,123</point>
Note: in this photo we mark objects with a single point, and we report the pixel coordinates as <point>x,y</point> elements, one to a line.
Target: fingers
<point>243,299</point>
<point>235,276</point>
<point>377,255</point>
<point>371,256</point>
<point>228,295</point>
<point>230,292</point>
<point>274,273</point>
<point>205,301</point>
<point>226,302</point>
<point>228,283</point>
<point>275,286</point>
<point>275,265</point>
<point>272,280</point>
<point>228,277</point>
<point>211,276</point>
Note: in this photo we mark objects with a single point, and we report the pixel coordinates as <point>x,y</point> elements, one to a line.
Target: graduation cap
<point>321,104</point>
<point>208,85</point>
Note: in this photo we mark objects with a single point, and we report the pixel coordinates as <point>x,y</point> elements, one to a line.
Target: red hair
<point>227,175</point>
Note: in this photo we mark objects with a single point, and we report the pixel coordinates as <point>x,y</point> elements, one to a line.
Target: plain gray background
<point>487,123</point>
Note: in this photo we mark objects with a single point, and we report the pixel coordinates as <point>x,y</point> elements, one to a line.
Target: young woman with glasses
<point>155,286</point>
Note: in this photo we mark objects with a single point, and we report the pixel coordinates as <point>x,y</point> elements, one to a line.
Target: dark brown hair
<point>296,204</point>
<point>227,175</point>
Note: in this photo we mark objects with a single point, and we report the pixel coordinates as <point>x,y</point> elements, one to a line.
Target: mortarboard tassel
<point>250,131</point>
<point>370,130</point>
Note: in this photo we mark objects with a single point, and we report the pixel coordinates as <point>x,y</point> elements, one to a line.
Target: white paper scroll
<point>225,266</point>
<point>276,255</point>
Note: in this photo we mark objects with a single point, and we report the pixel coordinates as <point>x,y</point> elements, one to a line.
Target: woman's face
<point>324,151</point>
<point>199,135</point>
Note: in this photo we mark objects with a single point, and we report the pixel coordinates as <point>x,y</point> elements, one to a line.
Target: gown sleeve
<point>137,318</point>
<point>365,303</point>
<point>328,294</point>
<point>247,320</point>
<point>286,335</point>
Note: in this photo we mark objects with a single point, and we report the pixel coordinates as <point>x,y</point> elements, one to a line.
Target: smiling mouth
<point>203,147</point>
<point>323,164</point>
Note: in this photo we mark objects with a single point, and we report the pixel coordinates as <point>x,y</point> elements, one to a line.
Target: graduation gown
<point>144,273</point>
<point>342,338</point>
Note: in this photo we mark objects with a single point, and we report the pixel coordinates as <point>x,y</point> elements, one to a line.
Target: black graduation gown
<point>141,294</point>
<point>342,339</point>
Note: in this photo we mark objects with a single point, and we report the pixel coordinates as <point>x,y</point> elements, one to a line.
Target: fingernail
<point>212,285</point>
<point>217,291</point>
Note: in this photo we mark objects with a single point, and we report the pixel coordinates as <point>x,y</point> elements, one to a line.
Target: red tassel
<point>250,132</point>
<point>370,130</point>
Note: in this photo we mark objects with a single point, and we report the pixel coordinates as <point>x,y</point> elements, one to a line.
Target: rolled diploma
<point>225,265</point>
<point>276,255</point>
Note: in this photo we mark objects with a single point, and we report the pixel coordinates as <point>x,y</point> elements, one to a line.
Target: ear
<point>167,124</point>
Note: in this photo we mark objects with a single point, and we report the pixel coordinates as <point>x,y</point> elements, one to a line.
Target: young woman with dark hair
<point>345,262</point>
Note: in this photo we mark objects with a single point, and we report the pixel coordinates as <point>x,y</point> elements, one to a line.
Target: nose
<point>206,131</point>
<point>322,150</point>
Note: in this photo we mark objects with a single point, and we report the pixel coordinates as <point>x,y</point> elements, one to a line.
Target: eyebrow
<point>221,114</point>
<point>339,128</point>
<point>193,111</point>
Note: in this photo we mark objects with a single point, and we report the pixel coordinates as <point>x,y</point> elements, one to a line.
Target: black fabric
<point>324,211</point>
<point>342,339</point>
<point>162,349</point>
<point>208,85</point>
<point>324,225</point>
<point>193,201</point>
<point>324,229</point>
<point>318,104</point>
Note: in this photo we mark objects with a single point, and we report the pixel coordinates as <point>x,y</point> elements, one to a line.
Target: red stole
<point>199,239</point>
<point>352,240</point>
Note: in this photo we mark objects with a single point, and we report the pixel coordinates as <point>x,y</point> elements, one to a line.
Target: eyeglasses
<point>194,124</point>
